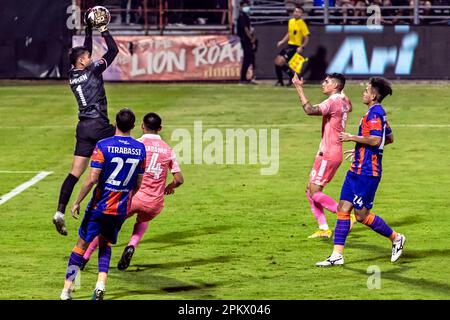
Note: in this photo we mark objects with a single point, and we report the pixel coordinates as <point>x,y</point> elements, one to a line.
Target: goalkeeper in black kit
<point>86,82</point>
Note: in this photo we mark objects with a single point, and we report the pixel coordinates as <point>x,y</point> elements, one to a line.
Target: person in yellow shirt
<point>297,38</point>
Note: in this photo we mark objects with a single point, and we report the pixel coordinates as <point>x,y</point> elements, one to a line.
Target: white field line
<point>234,125</point>
<point>41,175</point>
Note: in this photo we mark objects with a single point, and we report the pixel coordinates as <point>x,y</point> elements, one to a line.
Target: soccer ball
<point>98,16</point>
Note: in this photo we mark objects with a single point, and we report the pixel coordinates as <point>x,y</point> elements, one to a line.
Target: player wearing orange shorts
<point>334,111</point>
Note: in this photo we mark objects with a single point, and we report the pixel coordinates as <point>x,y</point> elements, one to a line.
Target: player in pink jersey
<point>149,200</point>
<point>334,111</point>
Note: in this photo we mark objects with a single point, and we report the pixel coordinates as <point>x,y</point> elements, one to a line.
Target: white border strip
<point>41,175</point>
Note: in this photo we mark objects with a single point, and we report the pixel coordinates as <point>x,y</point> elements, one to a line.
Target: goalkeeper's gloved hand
<point>102,28</point>
<point>87,22</point>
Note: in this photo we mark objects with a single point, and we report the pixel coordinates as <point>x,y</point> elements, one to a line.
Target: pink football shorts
<point>323,171</point>
<point>146,210</point>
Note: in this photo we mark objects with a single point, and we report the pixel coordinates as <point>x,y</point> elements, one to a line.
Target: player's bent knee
<point>280,61</point>
<point>360,217</point>
<point>82,244</point>
<point>344,206</point>
<point>103,242</point>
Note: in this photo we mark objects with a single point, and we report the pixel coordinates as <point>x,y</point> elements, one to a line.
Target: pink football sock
<point>138,233</point>
<point>91,249</point>
<point>317,210</point>
<point>325,201</point>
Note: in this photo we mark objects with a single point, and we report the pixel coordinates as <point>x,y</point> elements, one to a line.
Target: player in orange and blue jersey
<point>117,167</point>
<point>361,182</point>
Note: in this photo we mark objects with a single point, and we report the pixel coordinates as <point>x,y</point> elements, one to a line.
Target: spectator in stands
<point>360,12</point>
<point>424,11</point>
<point>347,10</point>
<point>402,12</point>
<point>388,12</point>
<point>383,13</point>
<point>248,40</point>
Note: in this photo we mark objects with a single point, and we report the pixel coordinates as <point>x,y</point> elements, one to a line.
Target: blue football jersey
<point>121,160</point>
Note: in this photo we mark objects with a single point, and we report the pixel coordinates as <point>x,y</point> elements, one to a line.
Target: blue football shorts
<point>97,223</point>
<point>359,190</point>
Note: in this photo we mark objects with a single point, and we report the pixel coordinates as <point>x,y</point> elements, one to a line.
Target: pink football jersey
<point>335,111</point>
<point>160,159</point>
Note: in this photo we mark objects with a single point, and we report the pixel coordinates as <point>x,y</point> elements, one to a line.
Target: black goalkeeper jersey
<point>87,86</point>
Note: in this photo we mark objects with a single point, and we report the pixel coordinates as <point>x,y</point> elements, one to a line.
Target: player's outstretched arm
<point>88,39</point>
<point>88,31</point>
<point>178,180</point>
<point>369,140</point>
<point>113,50</point>
<point>89,182</point>
<point>307,106</point>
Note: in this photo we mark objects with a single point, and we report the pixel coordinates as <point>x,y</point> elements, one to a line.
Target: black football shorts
<point>288,52</point>
<point>89,132</point>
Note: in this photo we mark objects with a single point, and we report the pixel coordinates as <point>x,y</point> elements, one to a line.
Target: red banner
<point>159,58</point>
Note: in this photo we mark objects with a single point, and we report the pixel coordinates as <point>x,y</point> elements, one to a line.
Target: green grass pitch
<point>230,232</point>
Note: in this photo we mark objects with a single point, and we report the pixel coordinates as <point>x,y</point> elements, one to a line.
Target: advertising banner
<point>171,58</point>
<point>360,51</point>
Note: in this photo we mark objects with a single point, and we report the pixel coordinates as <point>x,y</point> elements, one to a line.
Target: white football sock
<point>100,286</point>
<point>336,255</point>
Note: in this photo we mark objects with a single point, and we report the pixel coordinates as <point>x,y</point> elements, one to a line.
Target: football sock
<point>104,258</point>
<point>379,226</point>
<point>279,73</point>
<point>100,286</point>
<point>317,210</point>
<point>335,255</point>
<point>326,201</point>
<point>138,233</point>
<point>66,191</point>
<point>75,262</point>
<point>342,228</point>
<point>91,249</point>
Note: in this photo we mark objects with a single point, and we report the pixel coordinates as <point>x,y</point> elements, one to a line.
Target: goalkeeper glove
<point>87,21</point>
<point>102,28</point>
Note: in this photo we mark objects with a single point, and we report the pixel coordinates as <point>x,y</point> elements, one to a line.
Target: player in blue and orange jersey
<point>117,167</point>
<point>361,182</point>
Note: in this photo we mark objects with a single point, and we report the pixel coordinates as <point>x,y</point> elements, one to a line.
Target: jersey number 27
<point>119,161</point>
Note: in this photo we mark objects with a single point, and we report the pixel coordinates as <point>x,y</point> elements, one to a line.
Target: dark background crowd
<point>340,11</point>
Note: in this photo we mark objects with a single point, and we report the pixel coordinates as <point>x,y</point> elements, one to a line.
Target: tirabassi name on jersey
<point>123,150</point>
<point>79,79</point>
